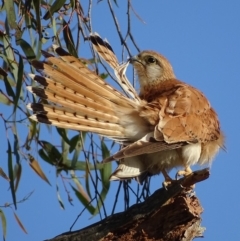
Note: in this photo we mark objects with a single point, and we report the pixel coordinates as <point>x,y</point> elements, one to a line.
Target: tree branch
<point>173,214</point>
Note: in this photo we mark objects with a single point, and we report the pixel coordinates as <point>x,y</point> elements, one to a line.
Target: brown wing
<point>145,145</point>
<point>180,114</point>
<point>186,115</point>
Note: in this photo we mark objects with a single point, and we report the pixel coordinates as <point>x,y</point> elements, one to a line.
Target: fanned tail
<point>79,99</point>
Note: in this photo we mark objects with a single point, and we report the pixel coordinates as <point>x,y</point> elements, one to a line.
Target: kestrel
<point>169,124</point>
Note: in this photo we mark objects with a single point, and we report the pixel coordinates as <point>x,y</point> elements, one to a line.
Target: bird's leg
<point>184,172</point>
<point>168,180</point>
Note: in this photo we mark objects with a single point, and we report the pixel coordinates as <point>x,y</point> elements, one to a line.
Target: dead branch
<point>173,214</point>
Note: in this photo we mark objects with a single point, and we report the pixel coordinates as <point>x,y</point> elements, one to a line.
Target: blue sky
<point>202,41</point>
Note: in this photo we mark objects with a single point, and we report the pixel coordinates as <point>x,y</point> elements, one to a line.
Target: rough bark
<point>167,215</point>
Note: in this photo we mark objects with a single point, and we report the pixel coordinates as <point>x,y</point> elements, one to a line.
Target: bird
<point>168,124</point>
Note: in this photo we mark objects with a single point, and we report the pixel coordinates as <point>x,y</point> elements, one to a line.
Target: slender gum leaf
<point>45,157</point>
<point>36,4</point>
<point>105,173</point>
<point>4,175</point>
<point>4,99</point>
<point>18,174</point>
<point>80,187</point>
<point>68,38</point>
<point>54,8</point>
<point>52,151</point>
<point>87,179</point>
<point>11,16</point>
<point>77,151</point>
<point>8,87</point>
<point>62,132</point>
<point>10,174</point>
<point>19,83</point>
<point>82,199</point>
<point>38,170</point>
<point>27,49</point>
<point>59,198</point>
<point>65,151</point>
<point>10,57</point>
<point>107,167</point>
<point>20,223</point>
<point>73,142</point>
<point>4,223</point>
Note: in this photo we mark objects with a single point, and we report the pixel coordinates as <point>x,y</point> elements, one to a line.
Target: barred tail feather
<point>105,51</point>
<point>79,99</point>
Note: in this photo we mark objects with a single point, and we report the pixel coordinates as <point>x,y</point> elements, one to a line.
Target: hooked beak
<point>134,59</point>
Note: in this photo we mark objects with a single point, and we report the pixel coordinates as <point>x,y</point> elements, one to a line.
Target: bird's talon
<point>169,182</point>
<point>183,173</point>
<point>166,184</point>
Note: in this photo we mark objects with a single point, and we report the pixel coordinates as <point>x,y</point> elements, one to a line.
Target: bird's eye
<point>151,60</point>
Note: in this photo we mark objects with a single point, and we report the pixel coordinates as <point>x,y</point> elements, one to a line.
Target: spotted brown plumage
<point>169,124</point>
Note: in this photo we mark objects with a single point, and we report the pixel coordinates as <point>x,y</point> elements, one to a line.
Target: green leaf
<point>51,153</point>
<point>18,174</point>
<point>9,57</point>
<point>37,168</point>
<point>19,83</point>
<point>104,75</point>
<point>10,174</point>
<point>10,81</point>
<point>16,146</point>
<point>3,174</point>
<point>32,132</point>
<point>27,49</point>
<point>107,167</point>
<point>4,223</point>
<point>54,8</point>
<point>11,16</point>
<point>59,197</point>
<point>80,187</point>
<point>62,132</point>
<point>84,201</point>
<point>105,173</point>
<point>73,3</point>
<point>8,87</point>
<point>36,4</point>
<point>20,223</point>
<point>78,148</point>
<point>73,142</point>
<point>68,38</point>
<point>4,99</point>
<point>42,153</point>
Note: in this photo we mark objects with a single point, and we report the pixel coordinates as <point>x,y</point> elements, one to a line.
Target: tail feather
<point>66,124</point>
<point>98,117</point>
<point>57,112</point>
<point>105,51</point>
<point>78,104</point>
<point>72,91</point>
<point>81,77</point>
<point>81,100</point>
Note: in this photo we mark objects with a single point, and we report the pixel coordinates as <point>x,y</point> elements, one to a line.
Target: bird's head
<point>151,68</point>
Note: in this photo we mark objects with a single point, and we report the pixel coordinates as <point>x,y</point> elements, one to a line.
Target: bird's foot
<point>168,183</point>
<point>187,171</point>
<point>168,180</point>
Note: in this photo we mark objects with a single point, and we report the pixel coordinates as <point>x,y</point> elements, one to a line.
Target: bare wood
<point>173,214</point>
